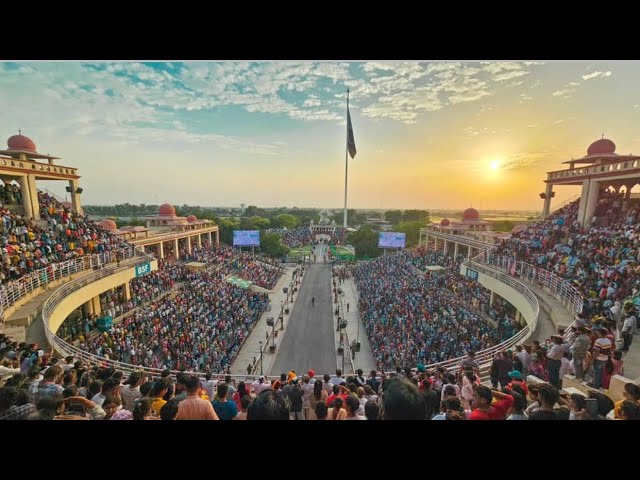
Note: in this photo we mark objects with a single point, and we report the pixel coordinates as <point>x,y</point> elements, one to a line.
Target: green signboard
<point>472,274</point>
<point>238,282</point>
<point>143,269</point>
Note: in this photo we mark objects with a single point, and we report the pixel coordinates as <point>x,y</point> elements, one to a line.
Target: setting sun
<point>495,165</point>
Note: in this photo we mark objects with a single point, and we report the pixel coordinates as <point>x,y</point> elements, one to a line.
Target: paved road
<point>309,341</point>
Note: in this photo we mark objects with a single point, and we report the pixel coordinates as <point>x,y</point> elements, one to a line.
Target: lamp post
<point>344,346</point>
<point>358,334</point>
<point>273,337</point>
<point>260,357</point>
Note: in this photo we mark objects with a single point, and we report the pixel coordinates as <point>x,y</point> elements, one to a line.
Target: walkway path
<point>251,348</point>
<point>355,329</point>
<point>308,341</point>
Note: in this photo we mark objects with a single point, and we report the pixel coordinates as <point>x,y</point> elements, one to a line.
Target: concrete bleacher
<point>554,310</point>
<point>28,307</point>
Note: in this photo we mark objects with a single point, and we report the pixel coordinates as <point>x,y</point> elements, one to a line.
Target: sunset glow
<point>273,133</point>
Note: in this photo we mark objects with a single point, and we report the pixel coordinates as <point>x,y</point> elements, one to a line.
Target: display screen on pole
<point>391,240</point>
<point>246,238</point>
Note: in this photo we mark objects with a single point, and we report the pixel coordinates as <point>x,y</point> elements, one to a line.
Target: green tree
<point>411,230</point>
<point>503,226</point>
<point>270,245</point>
<point>134,222</point>
<point>253,211</point>
<point>393,216</point>
<point>254,223</point>
<point>284,220</point>
<point>365,241</point>
<point>354,217</point>
<point>416,216</point>
<point>227,226</point>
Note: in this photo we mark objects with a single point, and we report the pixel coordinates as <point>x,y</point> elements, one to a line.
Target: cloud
<point>567,91</point>
<point>503,71</point>
<point>557,122</point>
<point>471,131</point>
<point>596,74</point>
<point>107,99</point>
<point>528,159</point>
<point>312,101</point>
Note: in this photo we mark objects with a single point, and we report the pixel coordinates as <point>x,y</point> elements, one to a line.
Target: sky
<point>429,135</point>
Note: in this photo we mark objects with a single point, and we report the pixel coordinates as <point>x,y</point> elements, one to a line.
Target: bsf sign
<point>143,269</point>
<point>472,274</point>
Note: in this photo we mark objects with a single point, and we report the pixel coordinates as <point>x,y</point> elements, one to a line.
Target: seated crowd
<point>293,238</point>
<point>260,270</point>
<point>600,260</point>
<point>200,326</point>
<point>114,303</point>
<point>415,318</point>
<point>27,246</point>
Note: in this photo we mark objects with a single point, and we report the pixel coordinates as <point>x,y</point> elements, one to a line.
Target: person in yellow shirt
<point>631,392</point>
<point>158,390</point>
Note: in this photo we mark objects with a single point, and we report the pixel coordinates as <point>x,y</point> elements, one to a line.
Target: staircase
<point>51,194</point>
<point>564,203</point>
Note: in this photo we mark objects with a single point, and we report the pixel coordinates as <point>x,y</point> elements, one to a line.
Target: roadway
<point>309,339</point>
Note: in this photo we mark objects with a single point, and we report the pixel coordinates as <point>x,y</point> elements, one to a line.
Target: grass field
<point>342,251</point>
<point>300,251</point>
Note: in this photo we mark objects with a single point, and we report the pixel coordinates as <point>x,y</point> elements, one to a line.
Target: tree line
<point>365,239</point>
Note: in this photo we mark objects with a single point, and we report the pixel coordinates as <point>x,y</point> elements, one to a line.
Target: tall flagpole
<point>346,164</point>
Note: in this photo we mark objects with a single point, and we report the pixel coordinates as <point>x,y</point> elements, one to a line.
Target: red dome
<point>20,142</point>
<point>166,209</point>
<point>604,146</point>
<point>191,218</point>
<point>108,224</point>
<point>445,222</point>
<point>470,214</point>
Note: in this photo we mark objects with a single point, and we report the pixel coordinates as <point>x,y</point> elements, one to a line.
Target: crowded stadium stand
<point>452,326</point>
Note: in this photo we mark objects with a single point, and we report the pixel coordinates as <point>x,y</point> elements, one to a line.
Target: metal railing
<point>463,239</point>
<point>561,288</point>
<point>54,195</point>
<point>13,291</point>
<point>63,348</point>
<point>564,203</point>
<point>612,168</point>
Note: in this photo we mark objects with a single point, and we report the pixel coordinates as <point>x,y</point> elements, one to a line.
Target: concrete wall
<point>86,293</point>
<point>559,321</point>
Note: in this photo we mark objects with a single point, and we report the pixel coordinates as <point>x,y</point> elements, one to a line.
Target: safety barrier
<point>13,291</point>
<point>483,357</point>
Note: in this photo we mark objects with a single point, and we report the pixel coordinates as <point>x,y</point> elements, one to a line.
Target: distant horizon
<point>322,208</point>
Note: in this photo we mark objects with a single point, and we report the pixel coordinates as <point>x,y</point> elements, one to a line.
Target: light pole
<point>358,334</point>
<point>344,346</point>
<point>260,357</point>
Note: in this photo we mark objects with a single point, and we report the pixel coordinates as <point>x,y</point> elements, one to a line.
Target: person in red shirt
<point>516,379</point>
<point>482,407</point>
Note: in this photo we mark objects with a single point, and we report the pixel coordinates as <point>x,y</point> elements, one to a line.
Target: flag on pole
<point>351,141</point>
